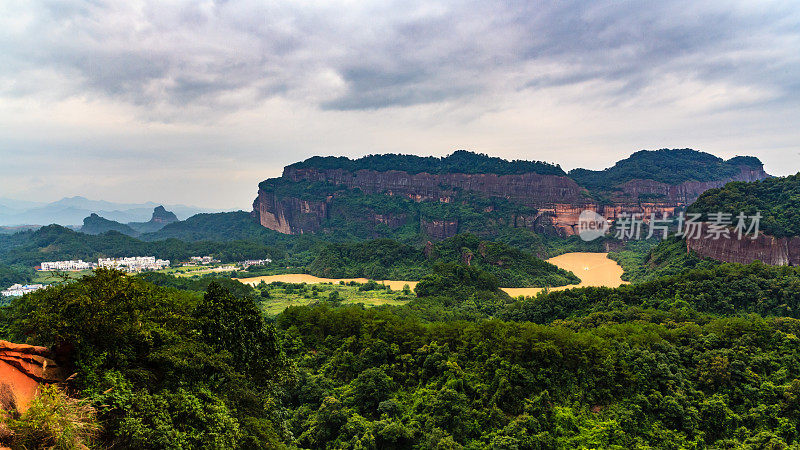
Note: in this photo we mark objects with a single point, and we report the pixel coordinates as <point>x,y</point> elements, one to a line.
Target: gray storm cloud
<point>149,96</point>
<point>228,55</point>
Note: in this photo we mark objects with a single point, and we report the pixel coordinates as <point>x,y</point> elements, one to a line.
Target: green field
<point>57,277</point>
<point>300,294</point>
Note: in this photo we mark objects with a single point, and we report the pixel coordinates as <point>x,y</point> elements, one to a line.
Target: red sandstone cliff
<point>22,369</point>
<point>289,215</point>
<point>683,193</point>
<point>528,189</point>
<point>765,248</point>
<point>558,199</point>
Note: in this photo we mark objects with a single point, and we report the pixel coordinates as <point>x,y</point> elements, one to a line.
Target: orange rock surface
<point>22,369</point>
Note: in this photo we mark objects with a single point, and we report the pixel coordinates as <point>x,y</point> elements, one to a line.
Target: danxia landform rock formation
<point>316,194</point>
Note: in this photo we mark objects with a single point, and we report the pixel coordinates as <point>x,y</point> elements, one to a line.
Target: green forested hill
<point>55,243</point>
<point>460,161</point>
<point>727,289</point>
<point>386,259</point>
<point>665,166</point>
<point>14,274</point>
<point>706,359</point>
<point>95,224</point>
<point>226,226</point>
<point>647,260</point>
<point>777,199</point>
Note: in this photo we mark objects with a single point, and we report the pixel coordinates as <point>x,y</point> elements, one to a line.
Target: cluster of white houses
<point>133,264</point>
<point>66,266</point>
<point>255,262</point>
<point>21,289</point>
<point>129,264</point>
<point>136,263</point>
<point>201,260</point>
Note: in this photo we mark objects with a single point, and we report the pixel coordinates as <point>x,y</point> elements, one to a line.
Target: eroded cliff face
<point>289,215</point>
<point>528,189</point>
<point>439,229</point>
<point>683,193</point>
<point>765,248</point>
<point>294,216</point>
<point>23,368</point>
<point>558,199</point>
<point>642,197</point>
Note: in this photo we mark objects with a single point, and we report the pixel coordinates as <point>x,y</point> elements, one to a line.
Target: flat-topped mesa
<point>678,177</point>
<point>530,189</point>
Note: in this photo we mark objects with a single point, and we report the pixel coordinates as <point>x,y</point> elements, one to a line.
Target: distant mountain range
<point>70,211</point>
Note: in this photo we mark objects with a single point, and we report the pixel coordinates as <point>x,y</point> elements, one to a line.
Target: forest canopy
<point>460,161</point>
<point>776,199</point>
<point>385,259</point>
<point>665,166</point>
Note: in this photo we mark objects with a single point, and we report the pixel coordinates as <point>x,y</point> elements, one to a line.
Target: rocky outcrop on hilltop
<point>162,216</point>
<point>23,368</point>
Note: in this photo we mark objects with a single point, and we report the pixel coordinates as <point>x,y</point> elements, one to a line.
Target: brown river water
<point>594,269</point>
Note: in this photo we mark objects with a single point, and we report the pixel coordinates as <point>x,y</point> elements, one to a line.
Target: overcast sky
<point>196,102</point>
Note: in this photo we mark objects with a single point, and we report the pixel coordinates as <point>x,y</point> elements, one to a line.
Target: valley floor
<point>594,269</point>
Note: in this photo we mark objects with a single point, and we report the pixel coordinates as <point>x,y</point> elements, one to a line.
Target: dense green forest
<point>727,289</point>
<point>708,358</point>
<point>14,274</point>
<point>460,161</point>
<point>665,166</point>
<point>777,199</point>
<point>385,259</point>
<point>648,259</point>
<point>197,284</point>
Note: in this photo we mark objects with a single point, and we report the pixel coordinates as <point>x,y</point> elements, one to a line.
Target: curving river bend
<point>594,269</point>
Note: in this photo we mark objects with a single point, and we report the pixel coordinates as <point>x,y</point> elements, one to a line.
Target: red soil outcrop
<point>22,369</point>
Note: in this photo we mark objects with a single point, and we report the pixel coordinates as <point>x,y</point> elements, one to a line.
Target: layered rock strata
<point>765,248</point>
<point>23,368</point>
<point>558,200</point>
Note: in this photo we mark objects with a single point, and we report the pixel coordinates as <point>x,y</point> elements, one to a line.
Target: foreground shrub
<point>53,420</point>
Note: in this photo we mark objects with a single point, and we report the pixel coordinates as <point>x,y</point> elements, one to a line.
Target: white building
<point>203,260</point>
<point>66,266</point>
<point>255,262</point>
<point>19,289</point>
<point>133,264</point>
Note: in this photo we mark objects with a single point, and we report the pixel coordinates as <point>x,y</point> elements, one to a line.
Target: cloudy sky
<point>195,102</point>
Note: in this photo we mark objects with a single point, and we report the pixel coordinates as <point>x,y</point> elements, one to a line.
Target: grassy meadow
<point>275,297</point>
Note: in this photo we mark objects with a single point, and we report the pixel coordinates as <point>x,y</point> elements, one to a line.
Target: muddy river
<point>594,269</point>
